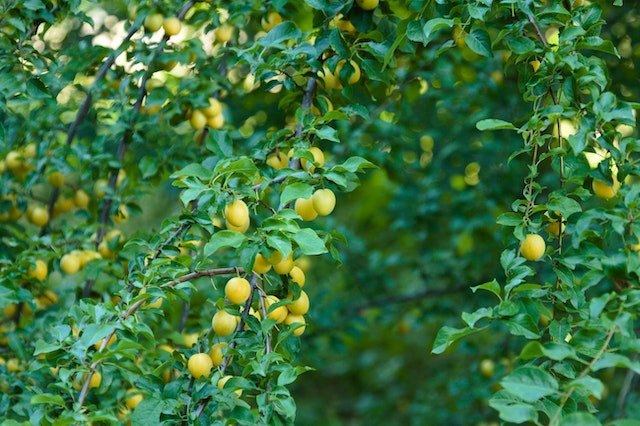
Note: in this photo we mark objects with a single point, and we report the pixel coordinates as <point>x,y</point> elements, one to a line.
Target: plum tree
<point>210,148</point>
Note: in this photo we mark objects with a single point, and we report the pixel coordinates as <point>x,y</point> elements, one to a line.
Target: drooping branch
<point>133,308</point>
<point>225,363</point>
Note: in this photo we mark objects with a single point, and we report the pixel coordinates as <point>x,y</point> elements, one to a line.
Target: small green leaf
<point>357,164</point>
<point>309,242</point>
<point>530,383</point>
<point>225,238</point>
<point>494,124</point>
<point>448,335</point>
<point>509,219</point>
<point>243,166</point>
<point>434,25</point>
<point>589,384</point>
<point>478,40</point>
<point>472,318</point>
<point>148,166</point>
<point>579,419</point>
<point>328,133</point>
<point>279,34</point>
<point>521,45</point>
<point>564,205</point>
<point>512,409</point>
<point>492,286</point>
<point>280,242</point>
<point>553,350</point>
<point>294,191</point>
<point>47,398</point>
<point>43,347</point>
<point>195,170</point>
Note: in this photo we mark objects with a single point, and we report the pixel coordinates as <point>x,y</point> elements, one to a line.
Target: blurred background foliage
<point>421,231</point>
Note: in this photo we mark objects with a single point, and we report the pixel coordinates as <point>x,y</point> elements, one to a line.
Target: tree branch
<point>133,308</point>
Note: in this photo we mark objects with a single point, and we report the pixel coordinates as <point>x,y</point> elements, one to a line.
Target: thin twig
<point>225,363</point>
<point>624,391</point>
<point>587,369</point>
<point>84,109</point>
<point>541,36</point>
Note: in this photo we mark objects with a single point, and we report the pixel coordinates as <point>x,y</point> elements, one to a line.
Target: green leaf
<point>579,419</point>
<point>47,398</point>
<point>564,205</point>
<point>509,219</point>
<point>591,385</point>
<point>148,166</point>
<point>494,124</point>
<point>287,376</point>
<point>478,41</point>
<point>448,335</point>
<point>243,166</point>
<point>608,360</point>
<point>328,133</point>
<point>523,325</point>
<point>294,191</point>
<point>553,350</point>
<point>492,286</point>
<point>530,383</point>
<point>43,347</point>
<point>194,170</point>
<point>434,25</point>
<point>357,164</point>
<point>279,35</point>
<point>521,45</point>
<point>419,33</point>
<point>474,317</point>
<point>309,242</point>
<point>279,242</point>
<point>415,33</point>
<point>220,143</point>
<point>147,412</point>
<point>225,238</point>
<point>512,409</point>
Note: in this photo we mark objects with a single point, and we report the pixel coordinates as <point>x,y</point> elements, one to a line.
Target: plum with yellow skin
<point>533,247</point>
<point>172,26</point>
<point>39,270</point>
<point>324,201</point>
<point>217,353</point>
<point>367,4</point>
<point>278,314</point>
<point>69,264</point>
<point>199,365</point>
<point>237,290</point>
<point>293,319</point>
<point>299,306</point>
<point>237,213</point>
<point>285,265</point>
<point>261,264</point>
<point>297,275</point>
<point>604,190</point>
<point>270,21</point>
<point>318,159</point>
<point>224,33</point>
<point>39,216</point>
<point>223,323</point>
<point>304,208</point>
<point>153,22</point>
<point>354,77</point>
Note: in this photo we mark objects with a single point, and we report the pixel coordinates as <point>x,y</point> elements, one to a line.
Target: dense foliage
<point>185,231</point>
